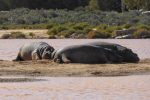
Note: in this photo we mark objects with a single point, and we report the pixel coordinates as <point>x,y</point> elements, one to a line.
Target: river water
<point>135,87</point>
<point>84,88</point>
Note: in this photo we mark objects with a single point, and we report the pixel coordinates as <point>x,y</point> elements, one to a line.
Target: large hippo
<point>85,54</point>
<point>34,51</point>
<point>127,54</point>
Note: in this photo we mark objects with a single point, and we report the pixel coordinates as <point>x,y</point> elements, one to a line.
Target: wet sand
<point>51,69</point>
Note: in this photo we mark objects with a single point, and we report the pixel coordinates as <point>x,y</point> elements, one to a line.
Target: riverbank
<point>64,31</point>
<point>49,68</point>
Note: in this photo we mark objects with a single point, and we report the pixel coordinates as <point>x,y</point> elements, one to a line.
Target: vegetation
<point>29,19</point>
<point>85,30</point>
<point>75,24</point>
<point>14,35</point>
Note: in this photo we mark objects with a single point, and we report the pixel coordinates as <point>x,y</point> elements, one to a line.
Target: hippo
<point>127,54</point>
<point>85,54</point>
<point>34,51</point>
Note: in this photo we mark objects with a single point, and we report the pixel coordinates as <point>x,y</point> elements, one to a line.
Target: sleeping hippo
<point>34,51</point>
<point>86,54</point>
<point>127,54</point>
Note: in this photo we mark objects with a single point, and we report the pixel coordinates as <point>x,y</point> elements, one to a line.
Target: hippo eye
<point>51,50</point>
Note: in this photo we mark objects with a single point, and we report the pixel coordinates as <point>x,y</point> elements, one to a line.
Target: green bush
<point>102,26</point>
<point>98,34</point>
<point>31,34</point>
<point>145,27</point>
<point>127,26</point>
<point>80,26</point>
<point>67,33</point>
<point>30,19</point>
<point>141,33</point>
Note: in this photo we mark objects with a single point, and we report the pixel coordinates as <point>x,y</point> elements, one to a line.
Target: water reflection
<point>91,88</point>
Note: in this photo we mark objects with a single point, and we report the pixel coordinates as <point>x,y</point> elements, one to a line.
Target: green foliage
<point>127,26</point>
<point>31,34</point>
<point>30,19</point>
<point>98,34</point>
<point>68,29</point>
<point>141,26</point>
<point>141,33</point>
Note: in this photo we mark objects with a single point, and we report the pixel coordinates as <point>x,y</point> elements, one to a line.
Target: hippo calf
<point>86,54</point>
<point>127,54</point>
<point>34,51</point>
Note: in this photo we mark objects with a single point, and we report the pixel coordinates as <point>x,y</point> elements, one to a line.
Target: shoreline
<point>51,69</point>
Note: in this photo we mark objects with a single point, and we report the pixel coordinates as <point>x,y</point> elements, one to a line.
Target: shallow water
<point>98,88</point>
<point>9,48</point>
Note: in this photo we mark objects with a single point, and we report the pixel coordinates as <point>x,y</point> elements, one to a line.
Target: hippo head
<point>47,53</point>
<point>129,56</point>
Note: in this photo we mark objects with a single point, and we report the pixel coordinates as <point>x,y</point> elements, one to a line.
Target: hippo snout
<point>46,55</point>
<point>132,58</point>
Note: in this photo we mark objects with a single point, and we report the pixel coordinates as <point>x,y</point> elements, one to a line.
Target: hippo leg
<point>35,56</point>
<point>65,59</point>
<point>57,60</point>
<point>18,58</point>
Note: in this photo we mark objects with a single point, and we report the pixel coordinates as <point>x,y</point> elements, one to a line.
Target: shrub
<point>102,26</point>
<point>80,26</point>
<point>31,34</point>
<point>5,36</point>
<point>5,27</point>
<point>145,27</point>
<point>18,35</point>
<point>32,17</point>
<point>67,33</point>
<point>52,37</point>
<point>97,34</point>
<point>141,33</point>
<point>127,26</point>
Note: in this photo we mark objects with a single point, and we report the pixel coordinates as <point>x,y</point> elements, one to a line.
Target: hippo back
<point>127,54</point>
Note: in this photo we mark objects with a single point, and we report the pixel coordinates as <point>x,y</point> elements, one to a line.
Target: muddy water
<point>9,48</point>
<point>100,88</point>
<point>91,88</point>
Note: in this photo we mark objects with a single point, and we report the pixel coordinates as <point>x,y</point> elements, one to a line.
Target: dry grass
<point>49,68</point>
